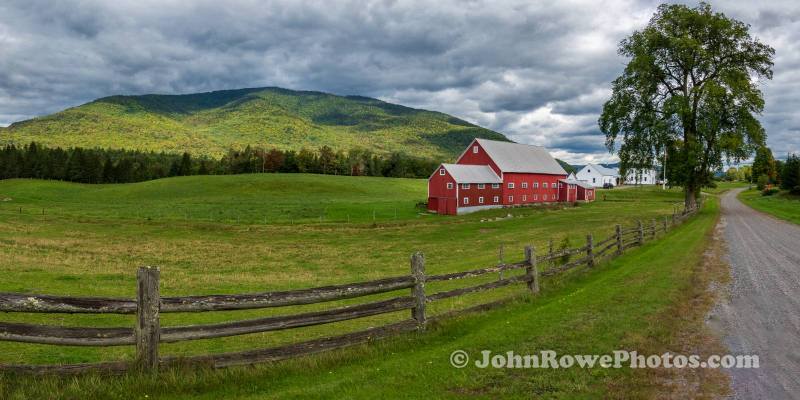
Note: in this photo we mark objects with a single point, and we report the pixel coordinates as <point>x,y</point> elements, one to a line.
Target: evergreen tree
<point>790,177</point>
<point>186,165</point>
<point>109,174</point>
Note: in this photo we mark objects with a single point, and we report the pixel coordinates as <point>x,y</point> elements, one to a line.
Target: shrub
<point>762,182</point>
<point>769,191</point>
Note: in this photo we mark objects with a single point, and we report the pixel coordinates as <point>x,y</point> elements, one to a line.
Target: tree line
<point>766,171</point>
<point>96,165</point>
<point>769,171</point>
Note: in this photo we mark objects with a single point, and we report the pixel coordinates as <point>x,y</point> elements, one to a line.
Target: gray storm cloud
<point>535,71</point>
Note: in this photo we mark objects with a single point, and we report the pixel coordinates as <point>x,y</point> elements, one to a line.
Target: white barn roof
<point>604,170</point>
<point>515,157</point>
<point>577,182</point>
<point>472,173</point>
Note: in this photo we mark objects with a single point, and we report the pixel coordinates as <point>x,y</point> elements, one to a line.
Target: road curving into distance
<point>762,313</point>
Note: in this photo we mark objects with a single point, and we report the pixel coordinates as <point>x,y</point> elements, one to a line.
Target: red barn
<point>492,174</point>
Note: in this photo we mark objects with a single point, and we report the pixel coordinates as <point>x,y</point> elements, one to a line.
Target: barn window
<point>510,185</point>
<point>535,197</point>
<point>510,199</point>
<point>524,185</point>
<point>480,200</point>
<point>481,186</point>
<point>475,149</point>
<point>466,200</point>
<point>544,198</point>
<point>544,185</point>
<point>524,198</point>
<point>594,180</point>
<point>441,171</point>
<point>449,185</point>
<point>465,185</point>
<point>496,199</point>
<point>535,185</point>
<point>495,186</point>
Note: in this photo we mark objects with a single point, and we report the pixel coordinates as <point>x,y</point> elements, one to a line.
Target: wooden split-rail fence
<point>149,304</point>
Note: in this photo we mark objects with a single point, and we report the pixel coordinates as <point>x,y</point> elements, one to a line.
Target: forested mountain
<point>212,123</point>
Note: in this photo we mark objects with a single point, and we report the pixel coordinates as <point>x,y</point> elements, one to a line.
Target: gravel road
<point>762,315</point>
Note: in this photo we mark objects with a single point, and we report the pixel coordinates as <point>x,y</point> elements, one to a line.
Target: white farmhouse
<point>598,175</point>
<point>641,177</point>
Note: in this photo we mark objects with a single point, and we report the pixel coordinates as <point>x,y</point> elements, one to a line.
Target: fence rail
<point>147,332</point>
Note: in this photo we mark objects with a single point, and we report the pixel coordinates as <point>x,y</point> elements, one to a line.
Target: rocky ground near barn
<point>762,313</point>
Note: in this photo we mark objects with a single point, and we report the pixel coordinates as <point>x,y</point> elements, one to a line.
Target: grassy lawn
<point>90,240</point>
<point>244,199</point>
<point>781,205</point>
<point>634,302</point>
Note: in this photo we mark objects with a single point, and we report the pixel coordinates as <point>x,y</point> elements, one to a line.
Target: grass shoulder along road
<point>781,205</point>
<point>635,302</point>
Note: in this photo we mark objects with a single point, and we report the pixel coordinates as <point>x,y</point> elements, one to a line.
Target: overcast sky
<point>538,72</point>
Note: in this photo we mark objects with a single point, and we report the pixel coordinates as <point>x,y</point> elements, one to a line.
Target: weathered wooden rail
<point>148,305</point>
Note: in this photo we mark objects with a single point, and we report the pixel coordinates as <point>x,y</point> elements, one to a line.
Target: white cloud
<point>535,71</point>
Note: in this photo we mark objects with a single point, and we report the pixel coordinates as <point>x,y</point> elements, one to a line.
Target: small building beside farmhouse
<point>598,175</point>
<point>641,177</point>
<point>493,174</point>
<point>572,190</point>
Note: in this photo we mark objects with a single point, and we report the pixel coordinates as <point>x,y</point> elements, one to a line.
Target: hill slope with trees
<point>214,122</point>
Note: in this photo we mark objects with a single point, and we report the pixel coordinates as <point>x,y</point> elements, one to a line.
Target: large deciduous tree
<point>691,88</point>
<point>764,164</point>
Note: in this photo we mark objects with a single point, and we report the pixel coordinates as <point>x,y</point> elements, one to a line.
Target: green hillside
<point>211,123</point>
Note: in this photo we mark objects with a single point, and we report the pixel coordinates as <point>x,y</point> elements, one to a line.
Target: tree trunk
<point>690,197</point>
<point>690,187</point>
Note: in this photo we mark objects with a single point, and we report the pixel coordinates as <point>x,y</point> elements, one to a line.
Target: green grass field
<point>245,199</point>
<point>781,205</point>
<point>91,239</point>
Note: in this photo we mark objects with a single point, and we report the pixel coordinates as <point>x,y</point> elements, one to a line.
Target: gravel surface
<point>762,315</point>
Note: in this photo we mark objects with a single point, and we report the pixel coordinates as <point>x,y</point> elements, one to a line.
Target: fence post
<point>148,326</point>
<point>418,291</point>
<point>501,256</point>
<point>619,239</point>
<point>654,228</point>
<point>550,252</point>
<point>665,224</point>
<point>532,270</point>
<point>590,250</point>
<point>641,231</point>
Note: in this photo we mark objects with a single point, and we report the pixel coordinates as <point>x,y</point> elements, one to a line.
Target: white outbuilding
<point>598,175</point>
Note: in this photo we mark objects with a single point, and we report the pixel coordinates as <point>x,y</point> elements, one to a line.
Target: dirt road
<point>763,314</point>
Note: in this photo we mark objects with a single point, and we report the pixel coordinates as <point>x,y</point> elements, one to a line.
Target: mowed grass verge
<point>781,205</point>
<point>632,303</point>
<point>88,251</point>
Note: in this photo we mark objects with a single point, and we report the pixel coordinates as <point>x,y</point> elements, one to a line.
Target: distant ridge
<point>212,122</point>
